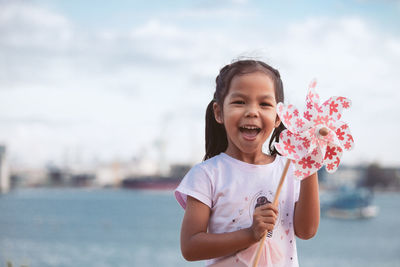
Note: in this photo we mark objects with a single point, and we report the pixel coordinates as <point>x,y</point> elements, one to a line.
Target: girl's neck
<point>251,158</point>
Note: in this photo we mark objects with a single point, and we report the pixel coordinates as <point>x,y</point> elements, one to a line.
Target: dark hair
<point>216,139</point>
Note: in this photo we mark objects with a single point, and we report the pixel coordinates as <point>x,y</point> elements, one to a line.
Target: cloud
<point>23,24</point>
<point>31,42</point>
<point>350,57</point>
<point>346,53</point>
<point>112,89</point>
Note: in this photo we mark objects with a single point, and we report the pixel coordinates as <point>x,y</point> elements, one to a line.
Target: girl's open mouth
<point>249,132</point>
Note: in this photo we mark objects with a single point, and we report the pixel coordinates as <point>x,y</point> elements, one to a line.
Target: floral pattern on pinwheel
<point>302,140</point>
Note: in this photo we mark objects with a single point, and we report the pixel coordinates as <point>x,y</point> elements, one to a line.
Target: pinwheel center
<point>323,131</point>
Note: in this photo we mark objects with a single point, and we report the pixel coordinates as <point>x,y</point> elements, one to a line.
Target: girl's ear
<point>277,121</point>
<point>218,113</point>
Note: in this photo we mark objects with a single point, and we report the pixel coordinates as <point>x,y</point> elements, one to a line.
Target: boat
<point>354,203</point>
<point>168,181</point>
<point>151,183</point>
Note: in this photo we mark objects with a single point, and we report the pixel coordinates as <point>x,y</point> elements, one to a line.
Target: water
<point>81,227</point>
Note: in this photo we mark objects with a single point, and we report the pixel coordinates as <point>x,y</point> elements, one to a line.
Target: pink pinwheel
<point>316,137</point>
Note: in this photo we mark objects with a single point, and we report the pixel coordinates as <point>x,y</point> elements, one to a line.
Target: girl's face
<point>248,114</point>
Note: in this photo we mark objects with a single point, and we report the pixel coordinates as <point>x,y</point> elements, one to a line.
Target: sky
<point>97,81</point>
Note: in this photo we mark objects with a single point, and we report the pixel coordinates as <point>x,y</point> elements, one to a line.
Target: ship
<point>151,183</point>
<point>350,203</point>
<point>158,182</point>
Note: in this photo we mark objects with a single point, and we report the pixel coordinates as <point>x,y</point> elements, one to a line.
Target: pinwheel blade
<point>309,164</point>
<point>333,107</point>
<point>332,158</point>
<point>291,118</point>
<point>292,146</point>
<point>344,135</point>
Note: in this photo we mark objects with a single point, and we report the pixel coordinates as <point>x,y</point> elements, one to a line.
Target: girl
<point>226,197</point>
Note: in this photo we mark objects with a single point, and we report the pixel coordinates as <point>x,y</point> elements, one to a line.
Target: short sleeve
<point>197,184</point>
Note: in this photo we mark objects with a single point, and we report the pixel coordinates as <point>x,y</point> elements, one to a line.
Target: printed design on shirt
<point>286,224</point>
<point>261,198</point>
<point>240,217</point>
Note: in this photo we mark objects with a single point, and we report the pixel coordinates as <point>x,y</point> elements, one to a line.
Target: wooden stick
<point>275,203</point>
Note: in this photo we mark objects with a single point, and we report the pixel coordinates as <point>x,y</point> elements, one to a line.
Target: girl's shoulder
<point>215,166</point>
<point>210,165</point>
<point>214,161</point>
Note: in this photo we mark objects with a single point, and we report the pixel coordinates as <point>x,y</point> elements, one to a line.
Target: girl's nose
<point>251,111</point>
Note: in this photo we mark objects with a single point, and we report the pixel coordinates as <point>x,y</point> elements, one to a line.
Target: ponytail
<point>279,96</point>
<point>275,138</point>
<point>216,140</point>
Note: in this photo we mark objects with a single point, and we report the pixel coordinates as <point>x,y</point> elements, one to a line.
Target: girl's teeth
<point>250,127</point>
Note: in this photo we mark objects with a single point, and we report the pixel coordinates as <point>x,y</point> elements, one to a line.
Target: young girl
<point>227,198</point>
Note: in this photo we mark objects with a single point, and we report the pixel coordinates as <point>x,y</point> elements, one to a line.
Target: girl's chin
<point>251,145</point>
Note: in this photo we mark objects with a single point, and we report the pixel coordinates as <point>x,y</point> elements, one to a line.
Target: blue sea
<point>116,227</point>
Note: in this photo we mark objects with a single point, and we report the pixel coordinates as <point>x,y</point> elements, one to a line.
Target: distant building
<point>4,171</point>
<point>29,177</point>
<point>108,175</point>
<point>382,178</point>
<point>112,174</point>
<point>348,176</point>
<point>179,170</point>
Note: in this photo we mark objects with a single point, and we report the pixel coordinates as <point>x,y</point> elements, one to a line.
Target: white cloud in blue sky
<point>85,80</point>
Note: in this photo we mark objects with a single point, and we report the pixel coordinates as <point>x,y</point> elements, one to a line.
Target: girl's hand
<point>264,219</point>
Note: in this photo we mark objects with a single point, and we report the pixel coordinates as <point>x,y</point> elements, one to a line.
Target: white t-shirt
<point>232,189</point>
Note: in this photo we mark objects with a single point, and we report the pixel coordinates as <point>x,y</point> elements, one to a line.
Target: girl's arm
<point>197,244</point>
<point>307,211</point>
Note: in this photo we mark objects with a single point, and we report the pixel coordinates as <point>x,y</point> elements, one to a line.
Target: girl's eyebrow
<point>269,96</point>
<point>238,95</point>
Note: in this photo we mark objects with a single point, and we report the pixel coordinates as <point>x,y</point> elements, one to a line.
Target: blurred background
<point>102,107</point>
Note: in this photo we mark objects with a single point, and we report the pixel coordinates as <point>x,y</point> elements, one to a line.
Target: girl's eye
<point>265,104</point>
<point>238,102</point>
